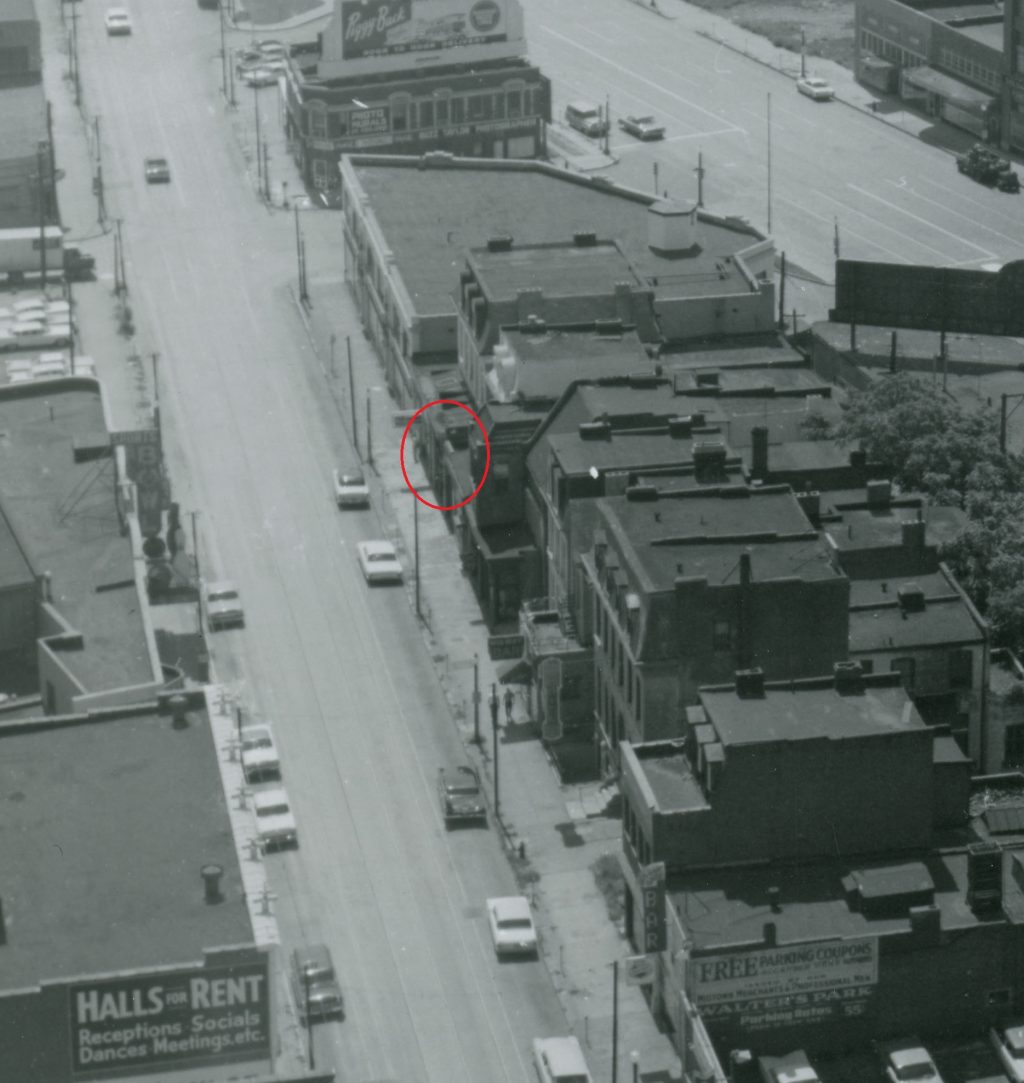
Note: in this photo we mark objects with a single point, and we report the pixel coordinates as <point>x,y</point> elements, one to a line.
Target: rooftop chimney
<point>211,875</point>
<point>774,897</point>
<point>849,678</point>
<point>178,705</point>
<point>759,452</point>
<point>911,598</point>
<point>709,462</point>
<point>913,535</point>
<point>879,494</point>
<point>499,244</point>
<point>750,683</point>
<point>584,239</point>
<point>810,502</point>
<point>595,430</point>
<point>984,876</point>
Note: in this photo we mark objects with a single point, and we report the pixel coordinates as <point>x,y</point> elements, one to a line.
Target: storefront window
<point>442,111</point>
<point>515,103</point>
<point>317,123</point>
<point>426,114</point>
<point>480,107</point>
<point>499,106</point>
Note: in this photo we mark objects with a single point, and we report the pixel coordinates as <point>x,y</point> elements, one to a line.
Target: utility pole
<point>769,163</point>
<point>416,548</point>
<point>120,278</point>
<point>607,122</point>
<point>615,1020</point>
<point>73,55</point>
<point>782,293</point>
<point>369,432</point>
<point>309,1019</point>
<point>334,371</point>
<point>156,400</point>
<point>700,179</point>
<point>835,238</point>
<point>259,144</point>
<point>266,171</point>
<point>803,55</point>
<point>223,53</point>
<point>195,557</point>
<point>655,164</point>
<point>494,731</point>
<point>40,190</point>
<point>476,699</point>
<point>351,393</point>
<point>101,201</point>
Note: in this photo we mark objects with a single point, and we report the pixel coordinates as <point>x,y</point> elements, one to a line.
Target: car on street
<point>350,489</point>
<point>272,49</point>
<point>250,57</point>
<point>1008,1043</point>
<point>560,1060</point>
<point>222,605</point>
<point>512,928</point>
<point>379,562</point>
<point>259,753</point>
<point>907,1061</point>
<point>117,21</point>
<point>158,171</point>
<point>792,1068</point>
<point>642,127</point>
<point>275,824</point>
<point>813,87</point>
<point>460,794</point>
<point>258,77</point>
<point>314,983</point>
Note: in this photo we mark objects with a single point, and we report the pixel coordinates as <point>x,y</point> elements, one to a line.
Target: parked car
<point>269,48</point>
<point>587,118</point>
<point>276,825</point>
<point>460,794</point>
<point>907,1061</point>
<point>351,490</point>
<point>78,266</point>
<point>642,127</point>
<point>222,605</point>
<point>815,88</point>
<point>158,171</point>
<point>512,929</point>
<point>792,1068</point>
<point>258,77</point>
<point>314,983</point>
<point>1009,1046</point>
<point>250,57</point>
<point>379,562</point>
<point>117,21</point>
<point>259,753</point>
<point>560,1060</point>
<point>982,164</point>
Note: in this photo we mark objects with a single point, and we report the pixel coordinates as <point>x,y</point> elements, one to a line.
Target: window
<point>458,110</point>
<point>400,110</point>
<point>499,106</point>
<point>426,114</point>
<point>906,668</point>
<point>515,103</point>
<point>442,111</point>
<point>1013,747</point>
<point>960,669</point>
<point>721,636</point>
<point>480,107</point>
<point>317,121</point>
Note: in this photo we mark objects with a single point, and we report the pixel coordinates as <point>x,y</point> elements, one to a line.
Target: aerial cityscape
<point>511,541</point>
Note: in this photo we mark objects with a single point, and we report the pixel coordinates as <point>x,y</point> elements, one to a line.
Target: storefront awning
<point>947,87</point>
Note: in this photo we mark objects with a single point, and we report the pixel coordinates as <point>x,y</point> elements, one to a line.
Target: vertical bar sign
<point>652,890</point>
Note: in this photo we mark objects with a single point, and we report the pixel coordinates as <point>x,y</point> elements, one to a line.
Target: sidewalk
<point>557,827</point>
<point>886,109</point>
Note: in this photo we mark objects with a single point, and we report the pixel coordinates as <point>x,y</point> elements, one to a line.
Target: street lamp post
<point>416,548</point>
<point>493,702</point>
<point>309,1019</point>
<point>476,699</point>
<point>635,1060</point>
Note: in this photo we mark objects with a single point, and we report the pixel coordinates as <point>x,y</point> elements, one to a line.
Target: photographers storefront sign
<point>794,985</point>
<point>179,1019</point>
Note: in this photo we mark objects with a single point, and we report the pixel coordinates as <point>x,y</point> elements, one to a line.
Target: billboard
<point>144,465</point>
<point>950,299</point>
<point>173,1019</point>
<point>652,893</point>
<point>380,28</point>
<point>793,985</point>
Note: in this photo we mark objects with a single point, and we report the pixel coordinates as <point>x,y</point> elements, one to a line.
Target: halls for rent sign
<point>178,1019</point>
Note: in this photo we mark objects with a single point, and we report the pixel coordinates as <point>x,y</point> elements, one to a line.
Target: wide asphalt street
<point>894,198</point>
<point>340,670</point>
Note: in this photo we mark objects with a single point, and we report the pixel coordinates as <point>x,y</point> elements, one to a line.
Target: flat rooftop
<point>106,825</point>
<point>808,709</point>
<point>701,535</point>
<point>726,908</point>
<point>633,449</point>
<point>862,527</point>
<point>559,269</point>
<point>432,211</point>
<point>64,514</point>
<point>879,623</point>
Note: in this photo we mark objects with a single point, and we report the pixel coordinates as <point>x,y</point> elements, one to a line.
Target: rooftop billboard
<point>371,36</point>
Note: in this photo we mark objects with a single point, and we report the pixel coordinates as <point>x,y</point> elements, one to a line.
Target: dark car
<point>158,171</point>
<point>314,984</point>
<point>642,127</point>
<point>460,794</point>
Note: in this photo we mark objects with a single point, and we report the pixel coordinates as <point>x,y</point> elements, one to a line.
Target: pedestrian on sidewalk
<point>510,699</point>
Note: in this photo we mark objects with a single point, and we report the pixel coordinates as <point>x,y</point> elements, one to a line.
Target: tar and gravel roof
<point>432,213</point>
<point>105,828</point>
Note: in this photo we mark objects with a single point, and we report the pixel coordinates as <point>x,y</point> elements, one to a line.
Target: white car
<point>512,928</point>
<point>379,562</point>
<point>560,1060</point>
<point>1009,1045</point>
<point>222,604</point>
<point>275,823</point>
<point>908,1061</point>
<point>815,88</point>
<point>258,77</point>
<point>351,490</point>
<point>791,1068</point>
<point>118,21</point>
<point>259,753</point>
